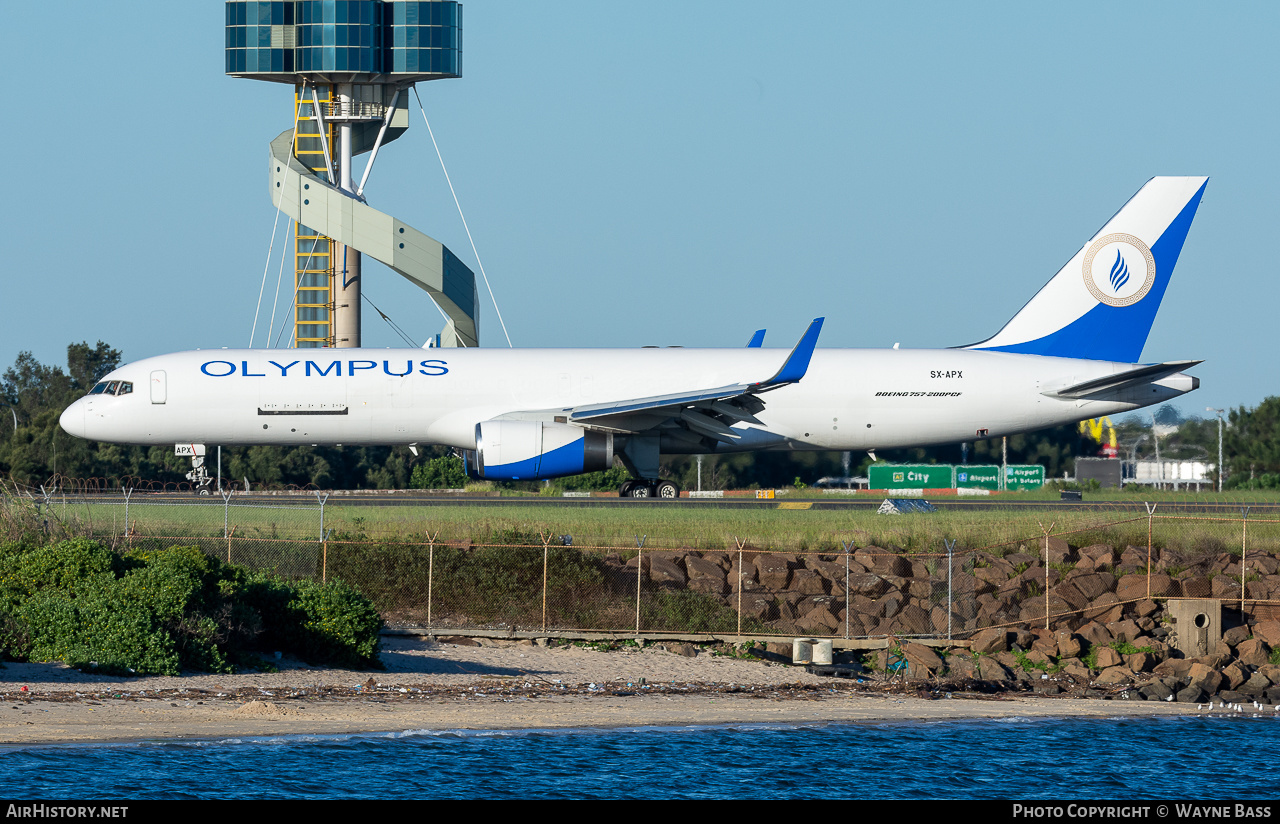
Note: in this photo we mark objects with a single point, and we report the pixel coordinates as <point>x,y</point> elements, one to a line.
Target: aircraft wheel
<point>640,490</point>
<point>624,491</point>
<point>668,490</point>
<point>203,492</point>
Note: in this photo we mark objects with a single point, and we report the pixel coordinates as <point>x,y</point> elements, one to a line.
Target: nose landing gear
<point>199,476</point>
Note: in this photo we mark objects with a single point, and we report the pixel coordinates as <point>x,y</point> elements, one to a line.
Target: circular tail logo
<point>1119,270</point>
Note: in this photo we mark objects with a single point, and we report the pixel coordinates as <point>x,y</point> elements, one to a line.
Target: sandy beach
<point>430,685</point>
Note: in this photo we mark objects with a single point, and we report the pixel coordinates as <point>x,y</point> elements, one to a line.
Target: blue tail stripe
<point>1117,333</point>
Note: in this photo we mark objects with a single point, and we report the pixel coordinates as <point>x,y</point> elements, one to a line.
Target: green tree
<point>444,472</point>
<point>1252,439</point>
<point>88,366</point>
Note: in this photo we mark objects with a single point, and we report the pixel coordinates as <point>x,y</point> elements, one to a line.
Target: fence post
<point>226,510</point>
<point>431,569</point>
<point>44,514</point>
<point>1151,509</point>
<point>951,545</point>
<point>639,577</point>
<point>322,502</point>
<point>1046,569</point>
<point>324,558</point>
<point>740,572</point>
<point>1244,553</point>
<point>848,599</point>
<point>127,492</point>
<point>546,551</point>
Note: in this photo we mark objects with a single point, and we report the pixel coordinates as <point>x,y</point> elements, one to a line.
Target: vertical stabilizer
<point>1101,305</point>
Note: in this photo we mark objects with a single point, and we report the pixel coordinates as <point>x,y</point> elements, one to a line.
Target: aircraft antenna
<point>501,322</point>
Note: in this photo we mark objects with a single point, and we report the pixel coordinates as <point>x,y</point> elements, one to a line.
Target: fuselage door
<point>159,387</point>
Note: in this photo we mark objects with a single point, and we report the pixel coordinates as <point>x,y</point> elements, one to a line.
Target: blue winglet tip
<point>757,340</point>
<point>798,361</point>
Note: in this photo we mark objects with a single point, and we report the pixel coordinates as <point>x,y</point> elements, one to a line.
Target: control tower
<point>352,65</point>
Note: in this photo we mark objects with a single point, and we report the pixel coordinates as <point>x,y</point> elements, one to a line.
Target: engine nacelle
<point>530,450</point>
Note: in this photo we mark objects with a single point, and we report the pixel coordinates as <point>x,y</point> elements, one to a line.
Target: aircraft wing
<point>698,413</point>
<point>703,412</point>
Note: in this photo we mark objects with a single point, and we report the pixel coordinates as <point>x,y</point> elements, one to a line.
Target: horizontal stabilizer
<point>1122,380</point>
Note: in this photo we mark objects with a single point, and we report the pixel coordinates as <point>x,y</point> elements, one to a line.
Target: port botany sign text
<point>1023,477</point>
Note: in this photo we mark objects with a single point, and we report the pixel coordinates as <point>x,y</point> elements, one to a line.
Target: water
<point>1019,758</point>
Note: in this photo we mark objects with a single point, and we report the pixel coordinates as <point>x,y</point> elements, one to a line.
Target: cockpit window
<point>112,388</point>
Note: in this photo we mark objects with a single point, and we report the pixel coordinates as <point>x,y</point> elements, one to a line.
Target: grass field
<point>686,526</point>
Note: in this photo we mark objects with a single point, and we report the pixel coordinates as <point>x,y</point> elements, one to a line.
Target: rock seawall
<point>1045,617</point>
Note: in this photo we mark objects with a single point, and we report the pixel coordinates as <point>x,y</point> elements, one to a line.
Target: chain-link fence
<point>1061,576</point>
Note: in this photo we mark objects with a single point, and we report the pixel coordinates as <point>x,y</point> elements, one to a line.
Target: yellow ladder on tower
<point>313,252</point>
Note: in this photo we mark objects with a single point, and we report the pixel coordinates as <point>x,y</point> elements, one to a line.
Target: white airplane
<point>525,414</point>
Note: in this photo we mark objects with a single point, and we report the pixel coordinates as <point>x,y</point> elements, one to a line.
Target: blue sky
<point>668,173</point>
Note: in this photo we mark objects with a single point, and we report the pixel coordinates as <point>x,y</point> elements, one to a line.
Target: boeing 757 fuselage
<point>1069,354</point>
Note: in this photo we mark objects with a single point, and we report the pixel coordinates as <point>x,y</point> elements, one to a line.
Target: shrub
<point>103,628</point>
<point>336,625</point>
<point>164,610</point>
<point>689,611</point>
<point>439,473</point>
<point>502,583</point>
<point>604,481</point>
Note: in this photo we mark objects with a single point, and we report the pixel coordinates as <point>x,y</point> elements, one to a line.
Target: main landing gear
<point>649,489</point>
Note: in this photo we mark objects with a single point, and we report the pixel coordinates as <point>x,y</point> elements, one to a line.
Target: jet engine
<point>530,450</point>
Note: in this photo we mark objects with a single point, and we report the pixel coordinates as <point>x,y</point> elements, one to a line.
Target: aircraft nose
<point>72,419</point>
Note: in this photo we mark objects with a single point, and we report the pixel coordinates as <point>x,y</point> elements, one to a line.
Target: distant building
<point>841,482</point>
<point>1169,474</point>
